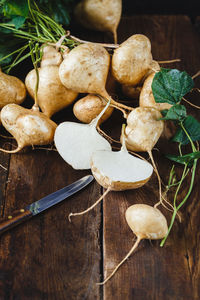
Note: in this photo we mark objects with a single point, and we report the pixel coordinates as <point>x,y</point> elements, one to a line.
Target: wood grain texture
<point>171,272</point>
<point>48,258</point>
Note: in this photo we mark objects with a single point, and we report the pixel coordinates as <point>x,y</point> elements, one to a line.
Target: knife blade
<point>44,203</point>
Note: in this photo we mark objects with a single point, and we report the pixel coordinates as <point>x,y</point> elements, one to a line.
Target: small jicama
<point>146,222</point>
<point>146,98</point>
<point>52,95</point>
<point>132,60</point>
<point>12,90</point>
<point>144,128</point>
<point>85,70</point>
<point>89,107</point>
<point>118,171</point>
<point>76,142</point>
<point>100,15</point>
<point>28,127</point>
<point>133,91</point>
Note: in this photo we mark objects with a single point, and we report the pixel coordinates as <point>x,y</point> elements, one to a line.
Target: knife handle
<point>17,217</point>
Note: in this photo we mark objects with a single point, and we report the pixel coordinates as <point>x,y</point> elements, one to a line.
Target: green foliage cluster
<point>171,85</point>
<point>26,20</point>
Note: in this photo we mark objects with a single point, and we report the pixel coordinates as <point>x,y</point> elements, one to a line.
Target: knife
<point>37,207</point>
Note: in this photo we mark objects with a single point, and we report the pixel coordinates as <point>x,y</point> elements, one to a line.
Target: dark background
<point>190,7</point>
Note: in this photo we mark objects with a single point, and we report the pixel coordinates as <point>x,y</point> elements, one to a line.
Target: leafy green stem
<point>176,208</point>
<point>35,60</point>
<point>33,17</point>
<point>189,138</point>
<point>179,185</point>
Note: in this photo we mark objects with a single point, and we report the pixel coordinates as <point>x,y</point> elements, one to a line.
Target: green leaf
<point>176,112</point>
<point>18,21</point>
<point>185,159</point>
<point>60,15</point>
<point>59,10</point>
<point>170,85</point>
<point>16,8</point>
<point>192,126</point>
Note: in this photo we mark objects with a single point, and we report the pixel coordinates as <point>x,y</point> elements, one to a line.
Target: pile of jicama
<point>85,77</point>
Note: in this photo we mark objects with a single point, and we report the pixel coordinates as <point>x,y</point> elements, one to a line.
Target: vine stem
<point>35,61</point>
<point>87,42</point>
<point>191,142</point>
<point>176,209</point>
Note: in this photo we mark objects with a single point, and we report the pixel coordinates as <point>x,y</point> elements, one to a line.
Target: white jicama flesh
<point>76,142</point>
<point>146,222</point>
<point>118,171</point>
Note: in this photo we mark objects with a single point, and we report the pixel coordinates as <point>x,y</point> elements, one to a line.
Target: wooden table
<point>50,258</point>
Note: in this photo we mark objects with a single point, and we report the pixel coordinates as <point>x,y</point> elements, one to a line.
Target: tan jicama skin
<point>133,91</point>
<point>117,171</point>
<point>146,222</point>
<point>85,70</point>
<point>90,106</point>
<point>28,127</point>
<point>132,60</point>
<point>52,95</point>
<point>101,15</point>
<point>146,98</point>
<point>143,129</point>
<point>12,90</point>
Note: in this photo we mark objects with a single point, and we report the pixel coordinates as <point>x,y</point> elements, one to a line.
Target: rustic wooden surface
<point>48,258</point>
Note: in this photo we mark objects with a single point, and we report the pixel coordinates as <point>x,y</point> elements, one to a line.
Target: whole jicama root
<point>12,90</point>
<point>27,126</point>
<point>52,95</point>
<point>101,15</point>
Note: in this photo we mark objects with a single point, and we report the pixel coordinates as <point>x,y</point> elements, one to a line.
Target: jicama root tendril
<point>91,207</point>
<point>123,260</point>
<point>161,198</point>
<point>169,61</point>
<point>191,104</point>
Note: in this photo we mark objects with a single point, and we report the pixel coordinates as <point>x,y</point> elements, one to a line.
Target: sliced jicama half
<point>76,142</point>
<point>120,170</point>
<point>117,171</point>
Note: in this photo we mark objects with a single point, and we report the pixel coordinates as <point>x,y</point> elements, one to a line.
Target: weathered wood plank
<point>4,166</point>
<point>171,272</point>
<point>47,257</point>
<point>50,258</point>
